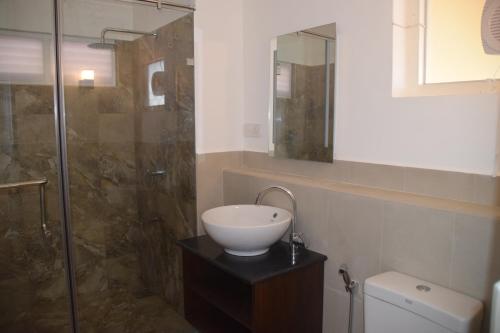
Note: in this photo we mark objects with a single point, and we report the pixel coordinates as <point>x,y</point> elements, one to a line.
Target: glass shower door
<point>126,124</point>
<point>33,290</point>
<point>129,103</point>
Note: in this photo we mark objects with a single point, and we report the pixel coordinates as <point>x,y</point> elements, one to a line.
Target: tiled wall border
<point>478,189</point>
<point>449,205</point>
<point>452,191</point>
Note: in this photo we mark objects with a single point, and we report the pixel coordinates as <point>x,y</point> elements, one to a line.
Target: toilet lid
<point>457,312</point>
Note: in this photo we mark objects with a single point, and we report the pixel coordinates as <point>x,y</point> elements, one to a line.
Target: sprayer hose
<point>351,310</point>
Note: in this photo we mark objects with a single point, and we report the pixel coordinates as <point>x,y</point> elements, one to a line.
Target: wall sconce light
<point>87,78</point>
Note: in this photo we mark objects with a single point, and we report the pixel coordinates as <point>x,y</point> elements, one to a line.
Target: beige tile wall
<point>374,235</point>
<point>479,189</point>
<point>376,227</point>
<point>209,179</point>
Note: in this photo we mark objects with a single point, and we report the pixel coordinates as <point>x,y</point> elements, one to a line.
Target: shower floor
<point>115,313</point>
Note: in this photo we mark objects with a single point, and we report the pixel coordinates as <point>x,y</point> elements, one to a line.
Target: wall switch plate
<point>252,130</point>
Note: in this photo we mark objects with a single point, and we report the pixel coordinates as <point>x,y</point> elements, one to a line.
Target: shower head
<point>103,45</point>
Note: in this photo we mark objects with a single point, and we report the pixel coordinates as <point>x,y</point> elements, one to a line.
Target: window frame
<point>408,51</point>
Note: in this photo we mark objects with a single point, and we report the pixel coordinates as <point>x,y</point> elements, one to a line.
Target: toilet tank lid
<point>459,313</point>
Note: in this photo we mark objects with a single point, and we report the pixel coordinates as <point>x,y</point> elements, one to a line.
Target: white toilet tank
<point>397,303</point>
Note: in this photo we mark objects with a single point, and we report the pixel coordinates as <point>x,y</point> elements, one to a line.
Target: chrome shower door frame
<point>62,153</point>
<point>62,158</point>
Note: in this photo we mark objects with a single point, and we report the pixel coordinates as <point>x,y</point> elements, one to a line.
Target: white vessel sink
<point>246,230</point>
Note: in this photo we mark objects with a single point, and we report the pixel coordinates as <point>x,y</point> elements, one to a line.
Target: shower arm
<point>125,31</point>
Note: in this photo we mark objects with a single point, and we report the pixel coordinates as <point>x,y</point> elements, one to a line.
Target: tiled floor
<point>118,313</point>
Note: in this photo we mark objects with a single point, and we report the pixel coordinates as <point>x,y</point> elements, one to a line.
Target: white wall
<point>440,132</point>
<point>219,75</point>
<point>26,15</point>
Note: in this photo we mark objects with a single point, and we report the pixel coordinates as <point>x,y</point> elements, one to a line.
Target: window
<point>27,59</point>
<point>453,47</point>
<point>21,59</point>
<point>437,49</point>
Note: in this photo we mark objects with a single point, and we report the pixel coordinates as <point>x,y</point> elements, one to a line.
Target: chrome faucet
<point>296,240</point>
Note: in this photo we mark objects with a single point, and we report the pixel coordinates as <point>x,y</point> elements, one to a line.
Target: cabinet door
<point>291,303</point>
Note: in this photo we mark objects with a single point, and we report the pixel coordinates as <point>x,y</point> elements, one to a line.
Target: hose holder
<point>350,284</point>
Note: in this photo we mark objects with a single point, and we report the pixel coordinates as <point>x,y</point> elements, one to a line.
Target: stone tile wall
<point>124,222</point>
<point>32,273</point>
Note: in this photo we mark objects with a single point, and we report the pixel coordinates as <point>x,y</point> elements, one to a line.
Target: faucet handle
<point>297,239</point>
<point>304,240</point>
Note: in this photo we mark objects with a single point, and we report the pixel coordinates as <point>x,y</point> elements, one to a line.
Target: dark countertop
<point>250,269</point>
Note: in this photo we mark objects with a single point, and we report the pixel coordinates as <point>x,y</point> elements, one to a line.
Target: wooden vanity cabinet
<point>262,294</point>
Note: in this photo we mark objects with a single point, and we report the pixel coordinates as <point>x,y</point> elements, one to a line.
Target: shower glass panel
<point>33,291</point>
<point>128,91</point>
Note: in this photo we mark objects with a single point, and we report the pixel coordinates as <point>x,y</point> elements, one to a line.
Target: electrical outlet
<point>252,130</point>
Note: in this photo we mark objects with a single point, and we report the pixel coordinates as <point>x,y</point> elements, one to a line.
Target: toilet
<point>495,309</point>
<point>397,303</point>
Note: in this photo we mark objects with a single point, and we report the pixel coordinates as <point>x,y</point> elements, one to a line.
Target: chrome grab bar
<point>38,182</point>
<point>43,207</point>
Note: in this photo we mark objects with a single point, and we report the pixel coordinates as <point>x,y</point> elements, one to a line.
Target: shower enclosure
<point>97,171</point>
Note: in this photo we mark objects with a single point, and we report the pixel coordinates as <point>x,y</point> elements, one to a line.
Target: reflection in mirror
<point>302,107</point>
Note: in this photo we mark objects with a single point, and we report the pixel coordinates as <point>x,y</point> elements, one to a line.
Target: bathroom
<point>123,121</point>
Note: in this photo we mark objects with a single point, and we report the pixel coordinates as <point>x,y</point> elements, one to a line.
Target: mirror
<point>302,105</point>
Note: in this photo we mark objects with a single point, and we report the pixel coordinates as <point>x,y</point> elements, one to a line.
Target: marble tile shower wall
<point>165,141</point>
<point>377,232</point>
<point>136,217</point>
<point>102,170</point>
<point>31,272</point>
<point>125,223</point>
